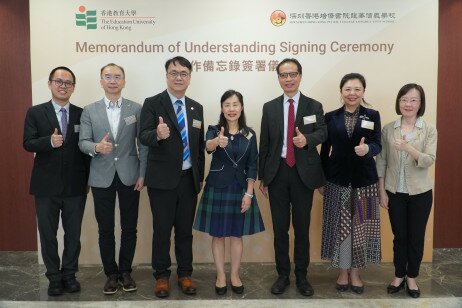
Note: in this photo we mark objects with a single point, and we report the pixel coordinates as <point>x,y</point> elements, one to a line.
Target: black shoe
<point>391,289</point>
<point>127,282</point>
<point>55,288</point>
<point>221,290</point>
<point>237,290</point>
<point>71,285</point>
<point>280,285</point>
<point>413,293</point>
<point>357,289</point>
<point>304,287</point>
<point>342,287</point>
<point>111,285</point>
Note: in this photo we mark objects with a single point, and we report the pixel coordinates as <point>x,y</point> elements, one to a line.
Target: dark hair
<point>352,76</point>
<point>52,73</point>
<point>181,61</point>
<point>241,121</point>
<point>403,91</point>
<point>290,60</point>
<point>112,64</point>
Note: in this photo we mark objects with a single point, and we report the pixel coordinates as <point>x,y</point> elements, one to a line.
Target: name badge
<point>367,124</point>
<point>76,128</point>
<point>309,119</point>
<point>197,123</point>
<point>130,120</point>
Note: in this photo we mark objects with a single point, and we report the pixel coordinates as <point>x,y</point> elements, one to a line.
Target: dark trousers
<point>408,218</point>
<point>288,195</point>
<point>104,199</point>
<point>173,209</point>
<point>48,210</point>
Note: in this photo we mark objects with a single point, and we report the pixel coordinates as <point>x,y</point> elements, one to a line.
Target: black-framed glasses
<point>65,83</point>
<point>291,74</point>
<point>175,74</point>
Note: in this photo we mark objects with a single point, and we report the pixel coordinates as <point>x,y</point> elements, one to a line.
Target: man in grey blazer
<point>290,169</point>
<point>109,133</point>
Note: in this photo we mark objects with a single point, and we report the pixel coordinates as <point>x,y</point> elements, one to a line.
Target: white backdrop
<point>236,44</point>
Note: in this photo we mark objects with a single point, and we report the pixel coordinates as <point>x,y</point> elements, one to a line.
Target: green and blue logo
<point>86,18</point>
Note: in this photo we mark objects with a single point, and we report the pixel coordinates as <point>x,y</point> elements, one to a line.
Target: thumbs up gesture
<point>56,140</point>
<point>222,139</point>
<point>401,144</point>
<point>163,132</point>
<point>104,146</point>
<point>299,139</point>
<point>362,148</point>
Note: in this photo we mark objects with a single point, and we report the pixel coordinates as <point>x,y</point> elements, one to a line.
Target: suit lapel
<point>73,119</point>
<point>51,116</point>
<point>102,114</point>
<point>190,114</point>
<point>339,120</point>
<point>280,117</point>
<point>124,113</point>
<point>167,104</point>
<point>302,110</point>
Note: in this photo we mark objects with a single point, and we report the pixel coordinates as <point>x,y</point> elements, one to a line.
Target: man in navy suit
<point>290,169</point>
<point>59,178</point>
<point>172,127</point>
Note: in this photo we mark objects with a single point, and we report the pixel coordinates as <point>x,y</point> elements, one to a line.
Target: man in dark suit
<point>109,132</point>
<point>290,169</point>
<point>59,178</point>
<point>172,126</point>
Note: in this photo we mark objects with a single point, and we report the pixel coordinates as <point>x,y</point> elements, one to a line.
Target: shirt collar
<point>173,98</point>
<point>418,123</point>
<point>108,103</point>
<point>296,97</point>
<point>58,107</point>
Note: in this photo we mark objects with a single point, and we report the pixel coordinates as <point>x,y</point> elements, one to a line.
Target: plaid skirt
<point>351,213</point>
<point>219,213</point>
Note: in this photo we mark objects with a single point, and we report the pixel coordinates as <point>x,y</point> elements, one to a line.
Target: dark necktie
<point>290,155</point>
<point>64,122</point>
<point>182,125</point>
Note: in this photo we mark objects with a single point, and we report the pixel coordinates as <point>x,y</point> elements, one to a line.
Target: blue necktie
<point>64,122</point>
<point>182,125</point>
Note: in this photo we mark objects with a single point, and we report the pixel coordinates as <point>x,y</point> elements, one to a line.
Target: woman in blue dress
<point>228,207</point>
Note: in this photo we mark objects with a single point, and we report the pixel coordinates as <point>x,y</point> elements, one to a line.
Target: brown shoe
<point>187,286</point>
<point>162,287</point>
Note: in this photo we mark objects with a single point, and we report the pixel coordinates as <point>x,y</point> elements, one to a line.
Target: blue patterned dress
<point>219,210</point>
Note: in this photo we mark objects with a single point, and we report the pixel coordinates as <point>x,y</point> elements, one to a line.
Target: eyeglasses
<point>182,75</point>
<point>66,83</point>
<point>412,101</point>
<point>116,78</point>
<point>285,75</point>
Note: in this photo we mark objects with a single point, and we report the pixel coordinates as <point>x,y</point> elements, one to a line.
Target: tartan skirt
<point>219,213</point>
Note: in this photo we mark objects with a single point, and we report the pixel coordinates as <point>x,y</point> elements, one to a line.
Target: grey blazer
<point>129,162</point>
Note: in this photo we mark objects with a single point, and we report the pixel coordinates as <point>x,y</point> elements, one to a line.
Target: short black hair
<point>112,64</point>
<point>52,73</point>
<point>180,60</point>
<point>290,60</point>
<point>403,91</point>
<point>352,76</point>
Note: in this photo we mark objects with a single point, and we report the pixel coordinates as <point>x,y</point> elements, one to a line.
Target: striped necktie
<point>182,125</point>
<point>64,122</point>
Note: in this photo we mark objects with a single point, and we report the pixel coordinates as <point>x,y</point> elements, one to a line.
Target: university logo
<point>85,18</point>
<point>278,18</point>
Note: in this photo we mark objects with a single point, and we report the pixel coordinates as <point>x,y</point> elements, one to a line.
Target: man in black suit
<point>59,178</point>
<point>172,126</point>
<point>290,169</point>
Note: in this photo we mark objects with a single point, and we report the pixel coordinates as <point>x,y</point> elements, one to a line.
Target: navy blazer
<point>341,165</point>
<point>224,168</point>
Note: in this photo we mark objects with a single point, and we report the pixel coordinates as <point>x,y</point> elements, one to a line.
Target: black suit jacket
<point>224,168</point>
<point>341,165</point>
<point>165,157</point>
<point>59,171</point>
<point>308,162</point>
